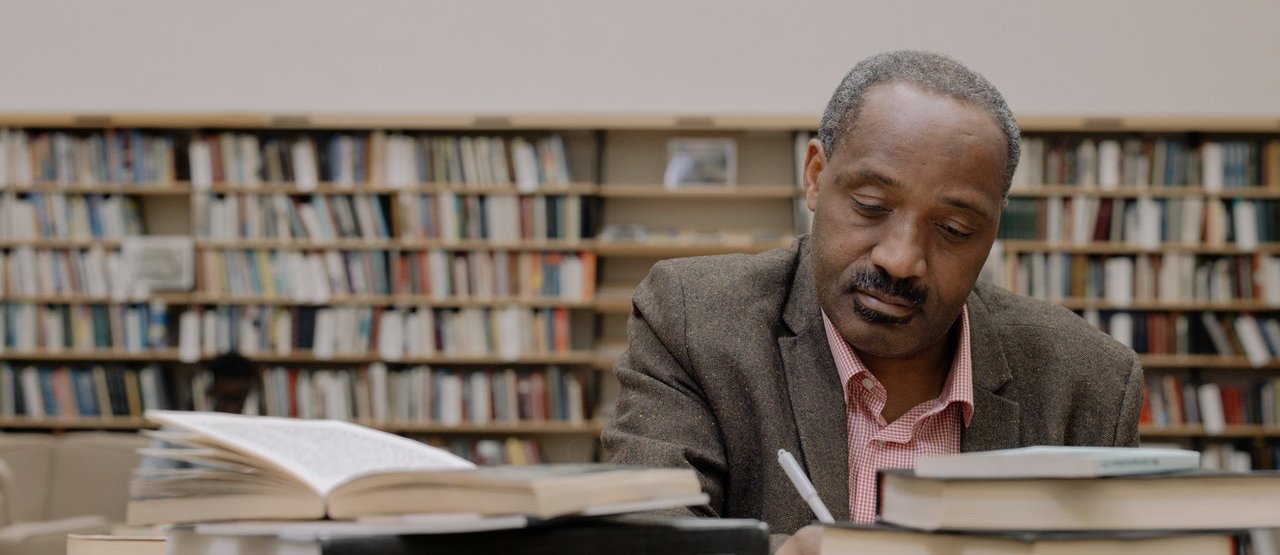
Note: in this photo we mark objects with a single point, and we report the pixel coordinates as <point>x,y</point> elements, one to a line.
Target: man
<point>867,343</point>
<point>234,384</point>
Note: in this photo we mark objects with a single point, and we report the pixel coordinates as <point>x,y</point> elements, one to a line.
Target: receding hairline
<point>930,72</point>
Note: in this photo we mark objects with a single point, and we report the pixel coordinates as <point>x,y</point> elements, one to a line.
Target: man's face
<point>905,211</point>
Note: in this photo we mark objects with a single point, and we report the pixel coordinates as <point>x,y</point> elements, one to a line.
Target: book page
<point>320,453</point>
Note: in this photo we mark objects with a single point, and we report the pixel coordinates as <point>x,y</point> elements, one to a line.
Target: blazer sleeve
<point>1130,408</point>
<point>663,416</point>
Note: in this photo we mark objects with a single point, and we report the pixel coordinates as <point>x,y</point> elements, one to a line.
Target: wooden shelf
<point>1173,124</point>
<point>676,250</point>
<point>1231,432</point>
<point>700,192</point>
<point>116,423</point>
<point>1134,191</point>
<point>60,243</point>
<point>94,355</point>
<point>175,189</point>
<point>364,300</point>
<point>390,300</point>
<point>614,299</point>
<point>613,305</point>
<point>296,244</point>
<point>607,354</point>
<point>289,188</point>
<point>1202,361</point>
<point>392,245</point>
<point>1031,123</point>
<point>582,358</point>
<point>1103,248</point>
<point>484,245</point>
<point>169,298</point>
<point>1159,306</point>
<point>590,427</point>
<point>568,358</point>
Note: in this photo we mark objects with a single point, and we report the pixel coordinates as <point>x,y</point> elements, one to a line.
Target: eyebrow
<point>865,175</point>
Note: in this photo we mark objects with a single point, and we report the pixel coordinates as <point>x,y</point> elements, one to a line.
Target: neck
<point>909,381</point>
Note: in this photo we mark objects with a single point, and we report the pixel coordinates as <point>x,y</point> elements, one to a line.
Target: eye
<point>870,209</point>
<point>949,230</point>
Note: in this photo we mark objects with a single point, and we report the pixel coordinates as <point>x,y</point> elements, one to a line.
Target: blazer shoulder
<point>1055,334</point>
<point>728,277</point>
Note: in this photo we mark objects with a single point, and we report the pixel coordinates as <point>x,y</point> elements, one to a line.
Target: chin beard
<point>876,317</point>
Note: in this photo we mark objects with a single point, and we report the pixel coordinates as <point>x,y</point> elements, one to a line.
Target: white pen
<point>802,484</point>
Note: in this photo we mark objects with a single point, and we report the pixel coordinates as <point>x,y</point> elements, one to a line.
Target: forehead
<point>905,128</point>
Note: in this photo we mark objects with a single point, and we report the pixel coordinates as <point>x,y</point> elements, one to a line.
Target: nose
<point>901,252</point>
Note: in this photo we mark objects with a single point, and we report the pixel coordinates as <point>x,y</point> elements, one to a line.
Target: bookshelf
<point>608,176</point>
<point>266,212</point>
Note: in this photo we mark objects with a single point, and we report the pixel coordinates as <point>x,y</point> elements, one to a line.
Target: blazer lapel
<point>995,423</point>
<point>813,386</point>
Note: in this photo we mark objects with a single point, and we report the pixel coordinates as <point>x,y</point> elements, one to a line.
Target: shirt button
<point>868,383</point>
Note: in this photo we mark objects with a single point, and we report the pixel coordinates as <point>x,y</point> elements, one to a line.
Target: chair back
<point>30,460</point>
<point>93,471</point>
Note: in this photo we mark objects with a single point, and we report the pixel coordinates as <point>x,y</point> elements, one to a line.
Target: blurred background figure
<point>233,386</point>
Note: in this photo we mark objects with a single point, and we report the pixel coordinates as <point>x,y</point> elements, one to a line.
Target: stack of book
<point>1063,500</point>
<point>242,484</point>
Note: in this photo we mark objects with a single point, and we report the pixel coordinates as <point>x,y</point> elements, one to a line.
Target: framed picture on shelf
<point>160,263</point>
<point>701,161</point>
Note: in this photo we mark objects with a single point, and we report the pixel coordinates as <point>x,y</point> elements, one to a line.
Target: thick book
<point>230,467</point>
<point>1197,500</point>
<point>573,536</point>
<point>857,539</point>
<point>1053,461</point>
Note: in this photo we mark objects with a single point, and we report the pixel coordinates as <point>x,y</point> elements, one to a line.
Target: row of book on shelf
<point>1121,280</point>
<point>1142,222</point>
<point>637,233</point>
<point>53,216</point>
<point>319,276</point>
<point>1226,456</point>
<point>1173,401</point>
<point>373,393</point>
<point>392,159</point>
<point>396,333</point>
<point>396,159</point>
<point>443,216</point>
<point>314,277</point>
<point>110,156</point>
<point>133,156</point>
<point>1160,161</point>
<point>492,452</point>
<point>1174,333</point>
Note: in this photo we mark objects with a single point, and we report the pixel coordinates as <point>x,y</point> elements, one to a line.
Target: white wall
<point>1077,57</point>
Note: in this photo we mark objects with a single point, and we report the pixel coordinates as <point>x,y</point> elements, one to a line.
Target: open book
<point>229,467</point>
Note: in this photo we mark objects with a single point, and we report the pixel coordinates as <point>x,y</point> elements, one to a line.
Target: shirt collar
<point>957,389</point>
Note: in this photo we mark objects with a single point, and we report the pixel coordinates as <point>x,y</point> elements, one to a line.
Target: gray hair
<point>930,71</point>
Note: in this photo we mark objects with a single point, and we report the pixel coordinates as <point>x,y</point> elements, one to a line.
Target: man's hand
<point>804,542</point>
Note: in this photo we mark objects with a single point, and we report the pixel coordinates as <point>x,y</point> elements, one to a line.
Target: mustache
<point>880,281</point>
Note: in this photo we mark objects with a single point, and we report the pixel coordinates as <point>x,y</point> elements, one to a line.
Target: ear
<point>815,160</point>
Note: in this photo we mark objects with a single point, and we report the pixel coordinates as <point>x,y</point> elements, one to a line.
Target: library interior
<point>343,277</point>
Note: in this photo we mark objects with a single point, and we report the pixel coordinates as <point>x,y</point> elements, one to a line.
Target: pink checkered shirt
<point>930,428</point>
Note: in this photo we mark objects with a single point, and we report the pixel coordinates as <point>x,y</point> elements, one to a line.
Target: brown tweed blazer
<point>728,362</point>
